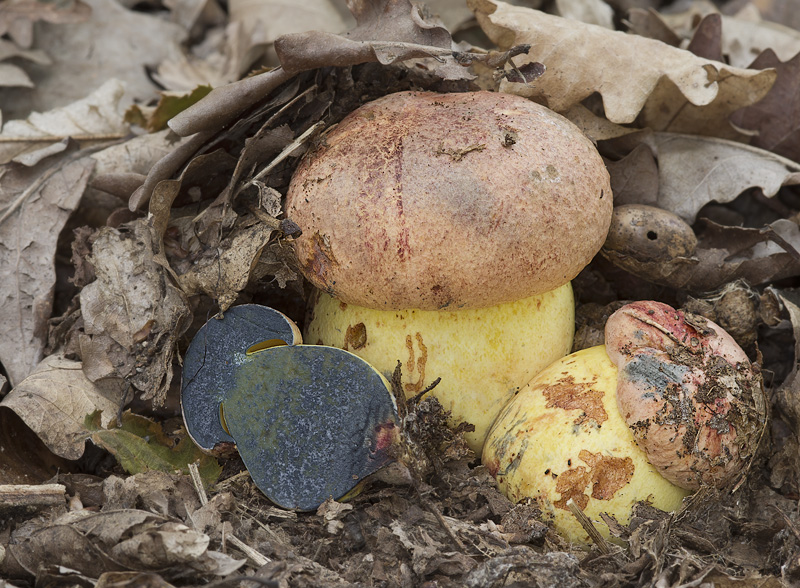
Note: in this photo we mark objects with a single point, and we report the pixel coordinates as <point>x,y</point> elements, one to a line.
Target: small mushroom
<point>444,230</point>
<point>670,403</point>
<point>691,396</point>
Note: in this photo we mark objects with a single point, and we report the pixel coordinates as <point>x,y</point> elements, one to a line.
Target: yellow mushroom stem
<point>483,356</point>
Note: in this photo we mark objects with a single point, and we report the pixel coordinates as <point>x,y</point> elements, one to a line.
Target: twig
<point>439,517</point>
<point>284,154</point>
<point>194,472</point>
<point>588,526</point>
<point>254,556</point>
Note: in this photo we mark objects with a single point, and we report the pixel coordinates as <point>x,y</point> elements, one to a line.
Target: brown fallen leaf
<point>55,400</point>
<point>707,38</point>
<point>90,119</point>
<point>776,118</point>
<point>387,31</point>
<point>132,312</point>
<point>113,43</point>
<point>639,78</point>
<point>37,202</point>
<point>694,170</point>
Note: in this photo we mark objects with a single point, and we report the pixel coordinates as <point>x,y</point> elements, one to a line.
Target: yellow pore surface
<point>562,437</point>
<point>483,356</point>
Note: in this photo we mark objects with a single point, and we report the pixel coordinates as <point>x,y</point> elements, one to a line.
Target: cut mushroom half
<point>209,366</point>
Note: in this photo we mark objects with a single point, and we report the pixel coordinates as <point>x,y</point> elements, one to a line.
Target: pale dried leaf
<point>225,274</point>
<point>11,75</point>
<point>694,171</point>
<point>263,21</point>
<point>94,117</point>
<point>594,12</point>
<point>36,204</point>
<point>55,400</point>
<point>17,16</point>
<point>132,313</point>
<point>624,69</point>
<point>113,43</point>
<point>742,39</point>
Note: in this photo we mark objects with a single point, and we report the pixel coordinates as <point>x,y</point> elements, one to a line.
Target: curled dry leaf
<point>37,202</point>
<point>636,73</point>
<point>776,118</point>
<point>55,400</point>
<point>693,171</point>
<point>132,312</point>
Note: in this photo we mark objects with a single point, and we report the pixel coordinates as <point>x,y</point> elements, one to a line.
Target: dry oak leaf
<point>226,273</point>
<point>132,312</point>
<point>694,171</point>
<point>624,69</point>
<point>55,400</point>
<point>744,36</point>
<point>776,118</point>
<point>35,204</point>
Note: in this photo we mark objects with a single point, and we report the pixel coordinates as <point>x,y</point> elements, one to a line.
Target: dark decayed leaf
<point>707,39</point>
<point>310,422</point>
<point>24,458</point>
<point>209,366</point>
<point>776,117</point>
<point>113,541</point>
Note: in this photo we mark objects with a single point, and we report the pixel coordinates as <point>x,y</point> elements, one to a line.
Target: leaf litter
<point>164,228</point>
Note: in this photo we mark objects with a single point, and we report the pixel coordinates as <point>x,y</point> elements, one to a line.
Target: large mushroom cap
<point>431,201</point>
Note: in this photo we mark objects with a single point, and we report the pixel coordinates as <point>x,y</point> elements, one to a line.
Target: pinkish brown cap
<point>689,393</point>
<point>433,201</point>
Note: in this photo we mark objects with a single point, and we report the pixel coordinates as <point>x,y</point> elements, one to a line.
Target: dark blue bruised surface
<point>209,366</point>
<point>310,422</point>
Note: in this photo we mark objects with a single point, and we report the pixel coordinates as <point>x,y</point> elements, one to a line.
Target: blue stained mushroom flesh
<point>210,365</point>
<point>310,422</point>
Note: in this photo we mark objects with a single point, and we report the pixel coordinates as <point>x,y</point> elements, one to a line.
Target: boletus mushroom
<point>668,404</point>
<point>421,203</point>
